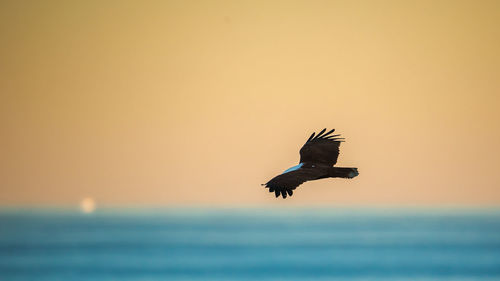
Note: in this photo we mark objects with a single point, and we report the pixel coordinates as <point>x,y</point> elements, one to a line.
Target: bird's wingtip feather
<point>326,136</point>
<point>320,133</point>
<point>311,137</point>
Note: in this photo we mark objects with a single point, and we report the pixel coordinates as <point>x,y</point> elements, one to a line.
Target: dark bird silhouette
<point>317,157</point>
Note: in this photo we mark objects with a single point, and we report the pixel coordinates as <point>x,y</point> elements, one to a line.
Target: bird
<point>317,159</point>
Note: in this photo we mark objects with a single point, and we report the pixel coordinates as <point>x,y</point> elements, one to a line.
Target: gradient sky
<point>199,102</point>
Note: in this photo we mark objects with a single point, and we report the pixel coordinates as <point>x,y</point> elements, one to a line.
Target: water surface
<point>250,244</point>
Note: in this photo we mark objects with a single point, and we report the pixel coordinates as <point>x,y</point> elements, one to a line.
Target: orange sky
<point>199,102</point>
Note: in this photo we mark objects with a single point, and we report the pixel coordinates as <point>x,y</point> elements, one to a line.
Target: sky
<point>163,103</point>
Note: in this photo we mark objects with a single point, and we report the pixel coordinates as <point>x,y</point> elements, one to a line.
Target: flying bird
<point>317,158</point>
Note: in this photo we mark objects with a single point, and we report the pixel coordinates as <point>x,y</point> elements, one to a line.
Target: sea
<point>250,244</point>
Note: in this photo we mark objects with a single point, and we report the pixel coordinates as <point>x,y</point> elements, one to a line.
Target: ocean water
<point>250,244</point>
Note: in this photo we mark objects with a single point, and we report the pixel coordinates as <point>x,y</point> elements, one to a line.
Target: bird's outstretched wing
<point>285,183</point>
<point>322,148</point>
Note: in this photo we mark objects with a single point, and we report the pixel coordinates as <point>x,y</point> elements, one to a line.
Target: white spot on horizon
<point>87,205</point>
<point>294,168</point>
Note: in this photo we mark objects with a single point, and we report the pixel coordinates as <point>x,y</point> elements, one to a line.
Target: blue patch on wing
<point>293,168</point>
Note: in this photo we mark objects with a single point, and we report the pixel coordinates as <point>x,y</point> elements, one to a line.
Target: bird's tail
<point>339,172</point>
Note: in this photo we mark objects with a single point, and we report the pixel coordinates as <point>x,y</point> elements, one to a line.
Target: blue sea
<point>250,244</point>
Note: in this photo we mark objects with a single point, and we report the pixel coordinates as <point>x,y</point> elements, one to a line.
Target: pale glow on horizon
<point>88,205</point>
